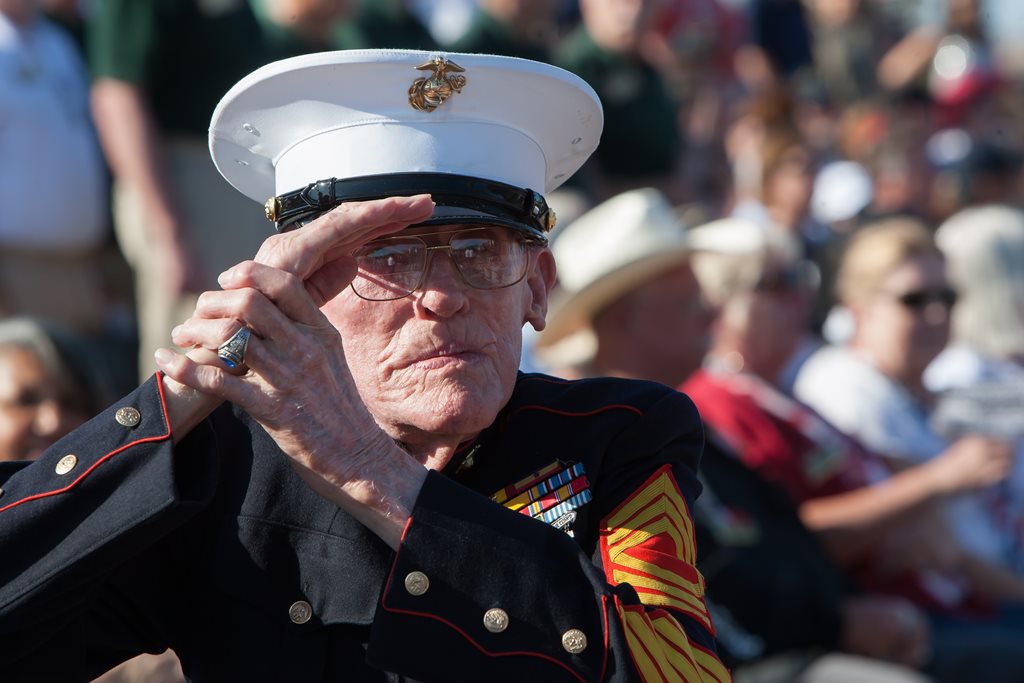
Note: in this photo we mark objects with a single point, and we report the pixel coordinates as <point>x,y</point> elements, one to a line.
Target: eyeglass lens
<point>392,268</point>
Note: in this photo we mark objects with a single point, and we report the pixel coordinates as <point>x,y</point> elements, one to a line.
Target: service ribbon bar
<point>575,486</point>
<point>545,487</point>
<point>515,489</point>
<point>577,501</point>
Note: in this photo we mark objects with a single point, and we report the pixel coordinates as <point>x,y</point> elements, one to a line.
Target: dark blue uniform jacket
<point>570,515</point>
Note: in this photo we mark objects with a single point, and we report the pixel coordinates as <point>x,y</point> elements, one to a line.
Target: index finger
<point>338,232</point>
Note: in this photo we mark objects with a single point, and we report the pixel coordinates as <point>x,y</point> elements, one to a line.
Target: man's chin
<point>455,405</point>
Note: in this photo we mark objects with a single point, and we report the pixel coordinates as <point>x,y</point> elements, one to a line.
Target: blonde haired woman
<point>893,280</point>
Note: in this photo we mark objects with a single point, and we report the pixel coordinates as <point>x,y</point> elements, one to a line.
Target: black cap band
<point>486,201</point>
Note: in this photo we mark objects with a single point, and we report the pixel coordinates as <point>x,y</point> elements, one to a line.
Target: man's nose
<point>441,268</point>
<point>443,290</point>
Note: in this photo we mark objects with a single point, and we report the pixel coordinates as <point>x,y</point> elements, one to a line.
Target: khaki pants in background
<point>224,226</point>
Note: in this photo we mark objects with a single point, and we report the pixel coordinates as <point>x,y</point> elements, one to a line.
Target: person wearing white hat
<point>387,499</point>
<point>627,303</point>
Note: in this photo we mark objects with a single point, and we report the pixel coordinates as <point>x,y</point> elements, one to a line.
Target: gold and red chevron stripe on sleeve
<point>661,651</point>
<point>648,542</point>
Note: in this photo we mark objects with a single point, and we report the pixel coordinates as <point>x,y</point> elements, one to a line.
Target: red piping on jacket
<point>587,413</point>
<point>108,456</point>
<point>467,637</point>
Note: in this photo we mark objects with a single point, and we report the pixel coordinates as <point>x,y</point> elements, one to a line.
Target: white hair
<point>984,248</point>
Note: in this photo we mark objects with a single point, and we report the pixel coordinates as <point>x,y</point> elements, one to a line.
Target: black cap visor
<point>459,199</point>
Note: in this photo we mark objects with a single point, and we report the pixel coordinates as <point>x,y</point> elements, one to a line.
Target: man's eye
<point>389,259</point>
<point>478,248</point>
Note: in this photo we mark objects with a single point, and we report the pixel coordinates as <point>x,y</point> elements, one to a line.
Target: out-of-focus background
<point>814,121</point>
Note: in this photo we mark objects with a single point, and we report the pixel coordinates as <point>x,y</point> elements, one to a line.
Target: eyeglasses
<point>395,267</point>
<point>919,299</point>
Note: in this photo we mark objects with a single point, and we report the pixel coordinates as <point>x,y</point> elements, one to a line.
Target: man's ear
<point>540,279</point>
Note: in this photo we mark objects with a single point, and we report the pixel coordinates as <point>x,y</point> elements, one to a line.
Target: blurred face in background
<point>34,408</point>
<point>905,323</point>
<point>766,324</point>
<point>659,330</point>
<point>534,18</point>
<point>788,185</point>
<point>619,25</point>
<point>312,18</point>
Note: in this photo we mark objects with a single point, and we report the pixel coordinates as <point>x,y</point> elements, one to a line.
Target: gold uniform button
<point>128,416</point>
<point>300,612</point>
<point>496,620</point>
<point>66,464</point>
<point>574,641</point>
<point>416,583</point>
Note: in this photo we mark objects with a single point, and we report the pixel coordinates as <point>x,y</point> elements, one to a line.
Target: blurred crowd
<point>806,214</point>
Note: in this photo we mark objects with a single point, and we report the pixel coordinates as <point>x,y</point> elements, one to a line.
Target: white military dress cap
<point>401,118</point>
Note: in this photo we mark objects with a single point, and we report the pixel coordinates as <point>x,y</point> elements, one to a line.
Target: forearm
<point>131,143</point>
<point>188,407</point>
<point>907,59</point>
<point>853,522</point>
<point>869,508</point>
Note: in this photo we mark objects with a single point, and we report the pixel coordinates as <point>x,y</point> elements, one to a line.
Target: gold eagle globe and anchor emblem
<point>429,93</point>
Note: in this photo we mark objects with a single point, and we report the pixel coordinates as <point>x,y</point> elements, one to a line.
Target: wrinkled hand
<point>971,462</point>
<point>883,627</point>
<point>320,254</point>
<point>298,385</point>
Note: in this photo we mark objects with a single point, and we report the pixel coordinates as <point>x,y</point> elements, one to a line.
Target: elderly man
<point>363,509</point>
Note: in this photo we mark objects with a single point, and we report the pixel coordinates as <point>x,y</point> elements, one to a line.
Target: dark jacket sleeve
<point>99,500</point>
<point>633,612</point>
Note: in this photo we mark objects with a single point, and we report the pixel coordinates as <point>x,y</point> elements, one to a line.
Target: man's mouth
<point>446,356</point>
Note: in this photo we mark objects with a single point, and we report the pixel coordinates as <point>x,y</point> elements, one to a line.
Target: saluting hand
<point>298,385</point>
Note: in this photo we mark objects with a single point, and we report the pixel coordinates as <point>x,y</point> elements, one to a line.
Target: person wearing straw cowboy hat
<point>383,497</point>
<point>627,303</point>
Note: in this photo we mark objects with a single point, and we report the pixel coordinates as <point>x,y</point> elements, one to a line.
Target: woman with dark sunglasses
<point>893,281</point>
